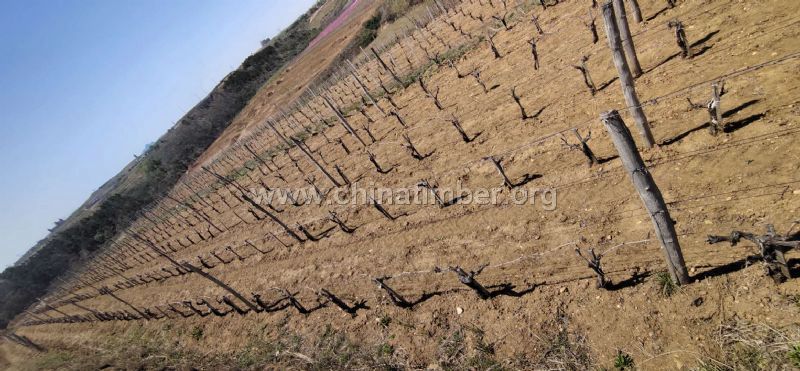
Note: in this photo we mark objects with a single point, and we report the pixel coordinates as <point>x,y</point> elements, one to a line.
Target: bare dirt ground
<point>552,316</point>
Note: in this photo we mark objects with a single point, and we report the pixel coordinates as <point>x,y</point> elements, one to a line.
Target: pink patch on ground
<point>335,24</point>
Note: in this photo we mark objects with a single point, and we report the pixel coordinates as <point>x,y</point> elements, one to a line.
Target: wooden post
<point>649,193</point>
<point>625,78</point>
<point>383,64</point>
<point>627,39</point>
<point>343,120</point>
<point>636,11</point>
<point>316,163</point>
<point>278,133</point>
<point>364,88</point>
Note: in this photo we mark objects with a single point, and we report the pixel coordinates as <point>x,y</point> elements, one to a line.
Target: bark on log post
<point>636,11</point>
<point>627,39</point>
<point>649,193</point>
<point>625,78</point>
<point>316,163</point>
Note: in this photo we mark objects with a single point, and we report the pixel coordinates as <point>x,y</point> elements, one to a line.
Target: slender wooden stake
<point>364,88</point>
<point>637,13</point>
<point>627,39</point>
<point>343,120</point>
<point>625,78</point>
<point>278,133</point>
<point>649,193</point>
<point>315,162</point>
<point>383,64</point>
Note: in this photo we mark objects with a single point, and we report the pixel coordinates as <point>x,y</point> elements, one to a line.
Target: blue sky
<point>86,84</point>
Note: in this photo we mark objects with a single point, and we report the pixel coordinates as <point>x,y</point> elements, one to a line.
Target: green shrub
<point>666,284</point>
<point>197,333</point>
<point>623,361</point>
<point>794,355</point>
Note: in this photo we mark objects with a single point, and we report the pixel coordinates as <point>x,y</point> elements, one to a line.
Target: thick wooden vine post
<point>649,193</point>
<point>627,39</point>
<point>625,78</point>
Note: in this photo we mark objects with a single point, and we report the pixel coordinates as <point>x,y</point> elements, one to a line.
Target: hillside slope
<point>146,179</point>
<point>345,285</point>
